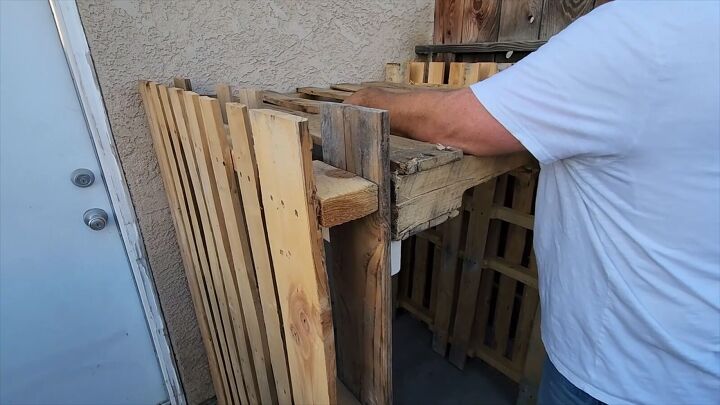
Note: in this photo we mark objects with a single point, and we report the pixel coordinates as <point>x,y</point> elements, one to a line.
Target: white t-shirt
<point>622,109</point>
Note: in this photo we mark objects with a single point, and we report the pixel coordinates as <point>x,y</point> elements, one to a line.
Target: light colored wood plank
<point>343,196</point>
<point>245,165</point>
<point>282,149</point>
<point>457,74</point>
<point>198,214</point>
<point>478,226</point>
<point>417,72</point>
<point>237,237</point>
<point>200,304</point>
<point>224,96</point>
<point>251,98</point>
<point>394,73</point>
<point>226,285</point>
<point>436,73</point>
<point>182,83</point>
<point>181,167</point>
<point>475,72</point>
<point>514,217</point>
<point>356,139</point>
<point>292,102</point>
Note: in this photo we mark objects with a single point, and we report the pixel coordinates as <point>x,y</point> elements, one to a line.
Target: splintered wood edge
<point>342,196</point>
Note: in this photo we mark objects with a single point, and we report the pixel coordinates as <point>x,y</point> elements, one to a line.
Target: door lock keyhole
<point>82,177</point>
<point>95,218</point>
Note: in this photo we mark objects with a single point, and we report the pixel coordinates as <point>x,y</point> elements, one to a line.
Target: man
<point>622,110</point>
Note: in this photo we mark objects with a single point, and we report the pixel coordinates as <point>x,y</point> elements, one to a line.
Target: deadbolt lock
<point>82,177</point>
<point>95,218</point>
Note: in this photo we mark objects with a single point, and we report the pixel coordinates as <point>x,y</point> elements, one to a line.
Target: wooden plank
<point>478,226</point>
<point>513,216</point>
<point>520,20</point>
<point>437,255</point>
<point>356,139</point>
<point>445,283</point>
<point>436,73</point>
<point>325,93</point>
<point>406,260</point>
<point>439,22</point>
<point>475,72</point>
<point>532,370</point>
<point>528,308</point>
<point>182,169</point>
<point>251,98</point>
<point>457,74</point>
<point>453,21</point>
<point>342,196</point>
<point>417,295</point>
<point>236,234</point>
<point>224,96</point>
<point>408,156</point>
<point>417,72</point>
<point>182,83</point>
<point>437,193</point>
<point>394,73</point>
<point>292,102</point>
<point>283,152</point>
<point>245,165</point>
<point>220,263</point>
<point>482,313</point>
<point>203,312</point>
<point>559,14</point>
<point>201,228</point>
<point>510,267</point>
<point>499,363</point>
<point>480,20</point>
<point>481,47</point>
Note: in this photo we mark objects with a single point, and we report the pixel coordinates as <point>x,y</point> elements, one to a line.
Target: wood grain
<point>480,20</point>
<point>356,139</point>
<point>558,14</point>
<point>520,20</point>
<point>283,152</point>
<point>342,196</point>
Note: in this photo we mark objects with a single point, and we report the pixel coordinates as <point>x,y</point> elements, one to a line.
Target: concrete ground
<point>421,376</point>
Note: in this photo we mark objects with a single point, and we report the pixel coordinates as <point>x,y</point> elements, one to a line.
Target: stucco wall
<point>275,44</point>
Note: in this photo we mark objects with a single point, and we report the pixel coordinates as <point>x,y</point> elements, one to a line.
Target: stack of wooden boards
<point>248,204</point>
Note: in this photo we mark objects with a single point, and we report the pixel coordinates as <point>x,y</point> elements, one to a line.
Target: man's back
<point>623,111</point>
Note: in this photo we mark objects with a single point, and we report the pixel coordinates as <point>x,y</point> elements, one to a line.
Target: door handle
<point>95,218</point>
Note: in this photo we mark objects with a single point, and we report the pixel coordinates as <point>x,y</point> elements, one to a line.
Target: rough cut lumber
<point>292,102</point>
<point>356,139</point>
<point>417,72</point>
<point>239,248</point>
<point>480,21</point>
<point>520,20</point>
<point>429,197</point>
<point>343,196</point>
<point>394,73</point>
<point>436,72</point>
<point>447,273</point>
<point>481,47</point>
<point>283,152</point>
<point>246,168</point>
<point>205,320</point>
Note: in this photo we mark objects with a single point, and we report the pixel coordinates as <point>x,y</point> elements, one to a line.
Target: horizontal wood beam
<point>342,196</point>
<point>481,47</point>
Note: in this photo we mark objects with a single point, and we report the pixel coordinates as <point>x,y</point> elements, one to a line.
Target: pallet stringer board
<point>356,139</point>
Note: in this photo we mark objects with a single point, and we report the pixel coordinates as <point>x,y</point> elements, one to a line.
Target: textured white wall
<point>273,44</point>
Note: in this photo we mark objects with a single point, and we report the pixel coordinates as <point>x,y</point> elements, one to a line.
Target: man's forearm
<point>448,117</point>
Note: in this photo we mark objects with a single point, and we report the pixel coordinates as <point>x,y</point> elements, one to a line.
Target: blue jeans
<point>557,390</point>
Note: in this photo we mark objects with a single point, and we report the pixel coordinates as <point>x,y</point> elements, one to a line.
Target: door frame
<point>82,70</point>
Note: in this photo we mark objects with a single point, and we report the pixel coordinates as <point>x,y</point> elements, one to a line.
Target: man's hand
<point>453,118</point>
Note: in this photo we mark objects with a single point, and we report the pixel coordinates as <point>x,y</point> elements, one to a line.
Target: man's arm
<point>453,118</point>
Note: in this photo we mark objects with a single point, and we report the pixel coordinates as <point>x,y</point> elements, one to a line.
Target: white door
<point>72,327</point>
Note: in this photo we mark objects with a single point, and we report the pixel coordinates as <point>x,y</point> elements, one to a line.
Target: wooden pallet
<point>473,280</point>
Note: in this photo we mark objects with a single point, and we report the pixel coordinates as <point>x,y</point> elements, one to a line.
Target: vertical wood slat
<point>246,167</point>
<point>445,283</point>
<point>514,248</point>
<point>453,16</point>
<point>356,139</point>
<point>239,248</point>
<point>209,262</point>
<point>188,199</point>
<point>558,14</point>
<point>394,73</point>
<point>436,73</point>
<point>417,72</point>
<point>283,151</point>
<point>224,96</point>
<point>520,20</point>
<point>223,279</point>
<point>480,20</point>
<point>478,226</point>
<point>181,228</point>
